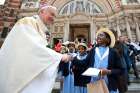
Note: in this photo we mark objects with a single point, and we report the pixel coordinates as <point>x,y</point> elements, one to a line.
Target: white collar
<point>106,53</point>
<point>79,57</point>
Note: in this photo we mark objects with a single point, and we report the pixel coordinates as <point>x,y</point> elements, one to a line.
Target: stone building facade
<point>8,17</point>
<point>82,18</point>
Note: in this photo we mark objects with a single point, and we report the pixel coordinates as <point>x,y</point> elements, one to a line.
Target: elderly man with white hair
<point>26,64</point>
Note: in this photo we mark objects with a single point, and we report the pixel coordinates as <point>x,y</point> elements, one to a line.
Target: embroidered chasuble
<point>26,64</point>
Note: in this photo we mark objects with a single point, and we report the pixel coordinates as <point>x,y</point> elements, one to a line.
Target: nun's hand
<point>104,72</point>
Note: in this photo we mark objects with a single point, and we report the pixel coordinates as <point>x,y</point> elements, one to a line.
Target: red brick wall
<point>8,13</point>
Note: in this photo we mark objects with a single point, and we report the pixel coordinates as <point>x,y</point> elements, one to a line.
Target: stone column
<point>128,29</point>
<point>93,29</point>
<point>137,28</point>
<point>118,28</point>
<point>66,30</point>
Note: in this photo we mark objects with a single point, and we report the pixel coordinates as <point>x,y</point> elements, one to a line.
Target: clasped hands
<point>66,58</point>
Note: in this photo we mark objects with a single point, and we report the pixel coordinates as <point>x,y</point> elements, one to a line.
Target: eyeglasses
<point>101,35</point>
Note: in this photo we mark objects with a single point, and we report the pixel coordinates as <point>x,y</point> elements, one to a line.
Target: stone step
<point>133,92</point>
<point>132,88</point>
<point>133,79</point>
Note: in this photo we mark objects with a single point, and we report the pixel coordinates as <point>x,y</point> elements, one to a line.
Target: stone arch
<point>74,6</point>
<point>102,3</point>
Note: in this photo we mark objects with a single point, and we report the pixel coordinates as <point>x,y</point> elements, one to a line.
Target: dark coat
<point>78,69</point>
<point>64,68</point>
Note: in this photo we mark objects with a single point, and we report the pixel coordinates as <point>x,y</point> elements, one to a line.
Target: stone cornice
<point>29,10</point>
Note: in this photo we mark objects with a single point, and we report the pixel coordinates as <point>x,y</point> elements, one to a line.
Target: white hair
<point>47,7</point>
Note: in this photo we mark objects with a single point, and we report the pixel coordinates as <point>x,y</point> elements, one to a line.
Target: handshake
<point>66,58</point>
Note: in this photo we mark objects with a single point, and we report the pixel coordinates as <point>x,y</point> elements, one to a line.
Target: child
<point>68,85</point>
<point>79,80</point>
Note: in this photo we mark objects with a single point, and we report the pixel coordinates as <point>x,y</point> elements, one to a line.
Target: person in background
<point>48,36</point>
<point>122,79</point>
<point>68,80</point>
<point>90,45</point>
<point>126,55</point>
<point>76,44</point>
<point>58,46</point>
<point>26,64</point>
<point>132,54</point>
<point>64,49</point>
